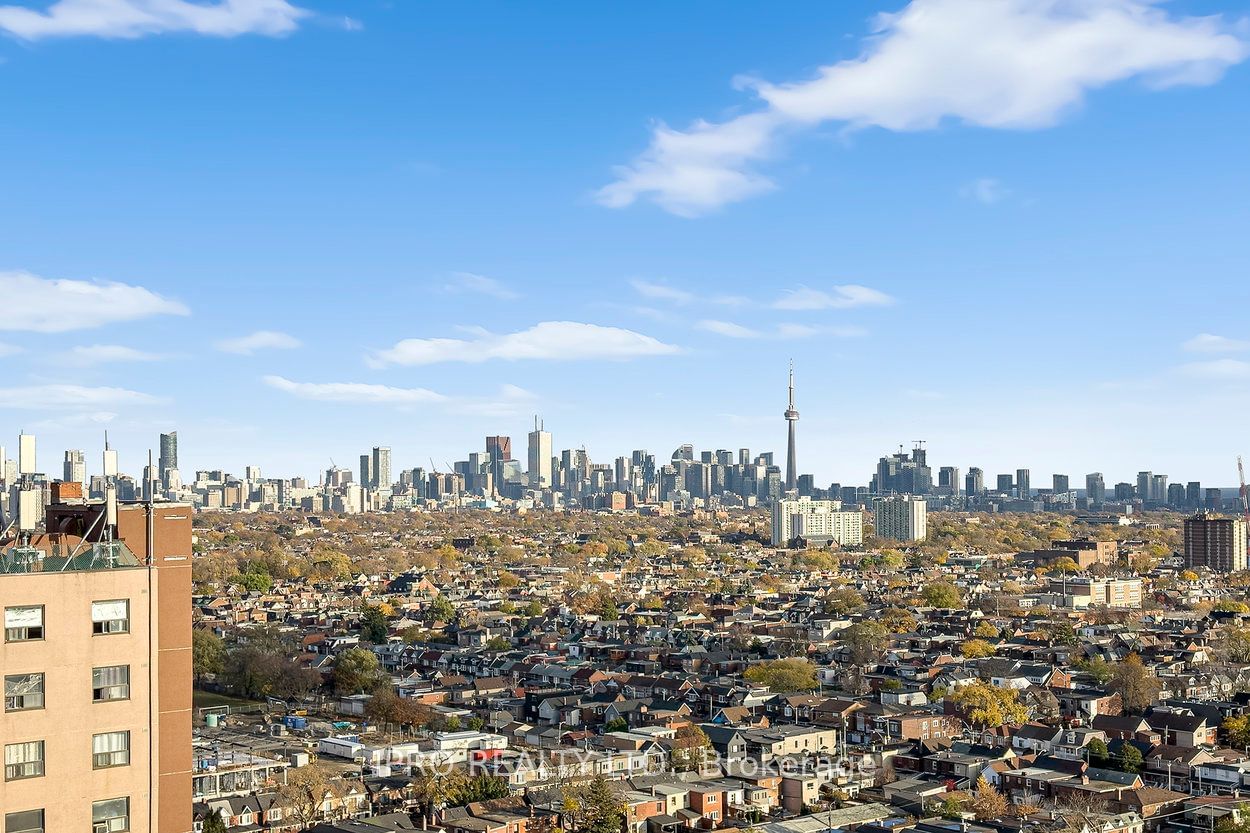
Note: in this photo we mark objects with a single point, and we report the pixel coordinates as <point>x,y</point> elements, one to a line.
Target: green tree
<point>213,823</point>
<point>1099,756</point>
<point>943,594</point>
<point>373,625</point>
<point>481,787</point>
<point>604,810</point>
<point>208,653</point>
<point>784,675</point>
<point>1097,667</point>
<point>534,608</point>
<point>356,671</point>
<point>1130,759</point>
<point>866,641</point>
<point>440,610</point>
<point>616,724</point>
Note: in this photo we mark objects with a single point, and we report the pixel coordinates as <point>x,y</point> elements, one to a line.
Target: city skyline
<point>1048,283</point>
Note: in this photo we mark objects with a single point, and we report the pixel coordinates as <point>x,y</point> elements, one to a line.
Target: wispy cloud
<point>480,285</point>
<point>43,305</point>
<point>357,392</point>
<point>139,18</point>
<point>258,341</point>
<point>1218,369</point>
<point>846,296</point>
<point>9,349</point>
<point>509,401</point>
<point>550,340</point>
<point>661,291</point>
<point>727,328</point>
<point>1207,343</point>
<point>40,397</point>
<point>781,331</point>
<point>986,191</point>
<point>87,356</point>
<point>1007,64</point>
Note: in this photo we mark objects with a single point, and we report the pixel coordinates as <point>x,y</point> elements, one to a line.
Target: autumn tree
<point>784,675</point>
<point>942,594</point>
<point>843,601</point>
<point>866,641</point>
<point>690,750</point>
<point>1136,686</point>
<point>897,620</point>
<point>1237,730</point>
<point>306,789</point>
<point>987,706</point>
<point>988,803</point>
<point>976,649</point>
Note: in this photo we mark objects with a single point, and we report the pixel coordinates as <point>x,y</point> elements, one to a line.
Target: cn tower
<point>792,416</point>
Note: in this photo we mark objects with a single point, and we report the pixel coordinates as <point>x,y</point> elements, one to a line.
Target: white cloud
<point>986,191</point>
<point>137,18</point>
<point>40,397</point>
<point>86,356</point>
<point>1218,369</point>
<point>358,392</point>
<point>9,349</point>
<point>41,305</point>
<point>783,331</point>
<point>662,292</point>
<point>480,284</point>
<point>259,340</point>
<point>1207,343</point>
<point>727,328</point>
<point>1006,64</point>
<point>554,340</point>
<point>841,297</point>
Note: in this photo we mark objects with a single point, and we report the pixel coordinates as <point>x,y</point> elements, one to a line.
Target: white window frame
<point>31,765</point>
<point>104,618</point>
<point>19,627</point>
<point>112,691</point>
<point>17,702</point>
<point>110,749</point>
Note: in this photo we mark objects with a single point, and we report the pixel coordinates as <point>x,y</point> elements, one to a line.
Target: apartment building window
<point>24,821</point>
<point>112,682</point>
<point>110,749</point>
<point>23,692</point>
<point>110,617</point>
<point>110,816</point>
<point>23,624</point>
<point>23,760</point>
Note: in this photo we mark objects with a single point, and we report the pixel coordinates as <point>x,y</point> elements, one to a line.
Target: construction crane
<point>1245,496</point>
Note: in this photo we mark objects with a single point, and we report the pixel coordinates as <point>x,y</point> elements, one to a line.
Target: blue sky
<point>293,230</point>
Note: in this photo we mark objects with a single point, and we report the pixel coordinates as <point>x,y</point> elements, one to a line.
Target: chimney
<point>63,492</point>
